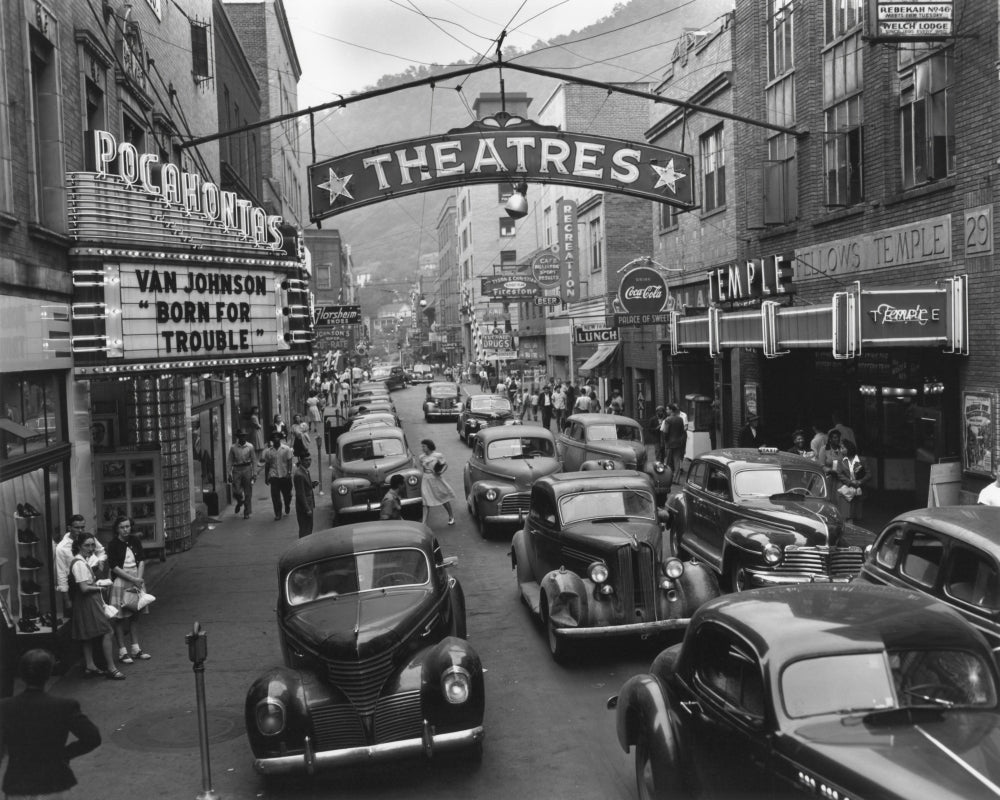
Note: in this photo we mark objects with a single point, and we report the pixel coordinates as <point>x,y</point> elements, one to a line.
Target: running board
<point>532,595</point>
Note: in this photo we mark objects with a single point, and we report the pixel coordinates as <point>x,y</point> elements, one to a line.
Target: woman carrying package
<point>125,562</point>
<point>434,488</point>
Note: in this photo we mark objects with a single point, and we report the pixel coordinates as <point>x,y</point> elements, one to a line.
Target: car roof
<point>791,622</point>
<point>443,384</point>
<point>594,479</point>
<point>749,456</point>
<point>591,418</point>
<point>975,525</point>
<point>369,432</point>
<point>514,432</point>
<point>356,537</point>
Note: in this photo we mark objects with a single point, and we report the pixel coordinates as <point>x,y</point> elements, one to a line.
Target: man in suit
<point>305,502</point>
<point>34,726</point>
<point>750,433</point>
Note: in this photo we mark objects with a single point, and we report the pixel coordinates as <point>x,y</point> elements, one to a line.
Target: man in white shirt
<point>64,556</point>
<point>990,495</point>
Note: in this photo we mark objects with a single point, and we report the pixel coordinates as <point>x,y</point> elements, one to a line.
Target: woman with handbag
<point>850,476</point>
<point>434,488</point>
<point>89,621</point>
<point>125,563</point>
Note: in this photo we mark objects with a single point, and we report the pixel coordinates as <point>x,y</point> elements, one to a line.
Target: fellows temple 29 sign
<point>498,149</point>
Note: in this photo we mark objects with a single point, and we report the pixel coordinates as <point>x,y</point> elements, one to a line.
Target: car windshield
<point>777,480</point>
<point>442,390</point>
<point>610,432</point>
<point>421,369</point>
<point>361,572</point>
<point>600,505</point>
<point>367,449</point>
<point>491,403</point>
<point>877,681</point>
<point>524,447</point>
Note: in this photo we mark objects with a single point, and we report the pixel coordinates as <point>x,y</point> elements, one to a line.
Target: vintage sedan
<point>368,406</point>
<point>505,462</point>
<point>375,418</point>
<point>610,441</point>
<point>481,411</point>
<point>442,401</point>
<point>591,563</point>
<point>363,463</point>
<point>951,553</point>
<point>421,373</point>
<point>392,377</point>
<point>822,690</point>
<point>376,667</point>
<point>762,518</point>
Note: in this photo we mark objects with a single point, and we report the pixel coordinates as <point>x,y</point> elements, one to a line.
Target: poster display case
<point>129,484</point>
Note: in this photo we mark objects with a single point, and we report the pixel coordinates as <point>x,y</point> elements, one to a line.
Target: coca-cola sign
<point>643,290</point>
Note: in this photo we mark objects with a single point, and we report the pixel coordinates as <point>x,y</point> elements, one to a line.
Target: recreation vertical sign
<point>566,240</point>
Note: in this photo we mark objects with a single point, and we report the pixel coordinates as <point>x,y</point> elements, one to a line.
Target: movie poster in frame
<point>978,426</point>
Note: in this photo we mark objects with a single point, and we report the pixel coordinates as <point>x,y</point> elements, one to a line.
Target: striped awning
<point>604,351</point>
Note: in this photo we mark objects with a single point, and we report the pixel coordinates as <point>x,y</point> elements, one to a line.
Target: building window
<point>843,78</point>
<point>324,276</point>
<point>596,242</point>
<point>465,209</point>
<point>713,170</point>
<point>547,225</point>
<point>504,192</point>
<point>465,238</point>
<point>669,216</point>
<point>506,226</point>
<point>927,123</point>
<point>842,16</point>
<point>200,59</point>
<point>508,257</point>
<point>780,37</point>
<point>46,129</point>
<point>133,131</point>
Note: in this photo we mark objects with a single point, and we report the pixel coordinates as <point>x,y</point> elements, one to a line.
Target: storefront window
<point>33,404</point>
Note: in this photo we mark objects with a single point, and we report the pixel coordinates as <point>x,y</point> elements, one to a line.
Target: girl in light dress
<point>435,489</point>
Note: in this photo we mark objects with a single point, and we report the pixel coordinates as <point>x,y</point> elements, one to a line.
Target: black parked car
<point>376,666</point>
<point>483,411</point>
<point>761,518</point>
<point>828,691</point>
<point>591,562</point>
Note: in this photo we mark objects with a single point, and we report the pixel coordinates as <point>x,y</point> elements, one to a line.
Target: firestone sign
<point>499,149</point>
<point>642,298</point>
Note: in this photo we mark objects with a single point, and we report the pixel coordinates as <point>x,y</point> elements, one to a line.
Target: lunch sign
<point>499,149</point>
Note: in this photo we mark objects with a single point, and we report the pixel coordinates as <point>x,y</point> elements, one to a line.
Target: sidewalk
<point>227,582</point>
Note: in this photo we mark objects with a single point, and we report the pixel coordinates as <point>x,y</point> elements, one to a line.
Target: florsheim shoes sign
<point>499,149</point>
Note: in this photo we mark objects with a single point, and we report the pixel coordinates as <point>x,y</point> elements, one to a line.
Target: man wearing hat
<point>243,472</point>
<point>750,433</point>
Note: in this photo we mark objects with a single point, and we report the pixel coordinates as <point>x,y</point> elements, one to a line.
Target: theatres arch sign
<point>498,149</point>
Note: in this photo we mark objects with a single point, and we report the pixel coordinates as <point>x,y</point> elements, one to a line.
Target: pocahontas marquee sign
<point>499,149</point>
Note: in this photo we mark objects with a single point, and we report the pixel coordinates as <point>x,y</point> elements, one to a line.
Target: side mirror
<point>450,561</point>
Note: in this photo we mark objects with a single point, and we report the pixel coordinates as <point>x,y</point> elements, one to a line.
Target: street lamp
<point>517,203</point>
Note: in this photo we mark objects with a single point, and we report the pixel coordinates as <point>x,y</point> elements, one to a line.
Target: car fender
<point>479,489</point>
<point>519,558</point>
<point>677,505</point>
<point>595,463</point>
<point>568,596</point>
<point>351,482</point>
<point>697,585</point>
<point>643,707</point>
<point>661,479</point>
<point>747,538</point>
<point>287,686</point>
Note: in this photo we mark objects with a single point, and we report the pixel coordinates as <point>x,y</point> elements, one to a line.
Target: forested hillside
<point>634,44</point>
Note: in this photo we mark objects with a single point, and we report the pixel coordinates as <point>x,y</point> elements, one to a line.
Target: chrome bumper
<point>762,578</point>
<point>310,761</point>
<point>629,629</point>
<point>374,508</point>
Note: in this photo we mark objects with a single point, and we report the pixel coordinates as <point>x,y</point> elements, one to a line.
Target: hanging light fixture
<point>517,203</point>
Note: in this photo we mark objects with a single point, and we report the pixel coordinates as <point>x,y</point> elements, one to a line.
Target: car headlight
<point>673,568</point>
<point>659,466</point>
<point>473,423</point>
<point>412,480</point>
<point>772,554</point>
<point>270,716</point>
<point>491,494</point>
<point>456,685</point>
<point>342,489</point>
<point>598,572</point>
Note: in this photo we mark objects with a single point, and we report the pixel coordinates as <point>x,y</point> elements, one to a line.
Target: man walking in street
<point>675,436</point>
<point>34,727</point>
<point>305,502</point>
<point>655,424</point>
<point>243,472</point>
<point>559,406</point>
<point>391,507</point>
<point>278,465</point>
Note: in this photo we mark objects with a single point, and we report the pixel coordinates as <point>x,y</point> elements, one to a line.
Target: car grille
<point>373,494</point>
<point>833,562</point>
<point>396,717</point>
<point>515,503</point>
<point>636,584</point>
<point>444,405</point>
<point>361,681</point>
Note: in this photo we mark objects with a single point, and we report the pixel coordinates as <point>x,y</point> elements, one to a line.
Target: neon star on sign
<point>337,186</point>
<point>668,176</point>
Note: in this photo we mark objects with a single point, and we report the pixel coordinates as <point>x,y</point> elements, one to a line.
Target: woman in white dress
<point>434,488</point>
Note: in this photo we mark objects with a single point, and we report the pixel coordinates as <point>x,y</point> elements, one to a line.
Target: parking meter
<point>197,642</point>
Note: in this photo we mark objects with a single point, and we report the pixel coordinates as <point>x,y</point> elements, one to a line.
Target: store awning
<point>604,351</point>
